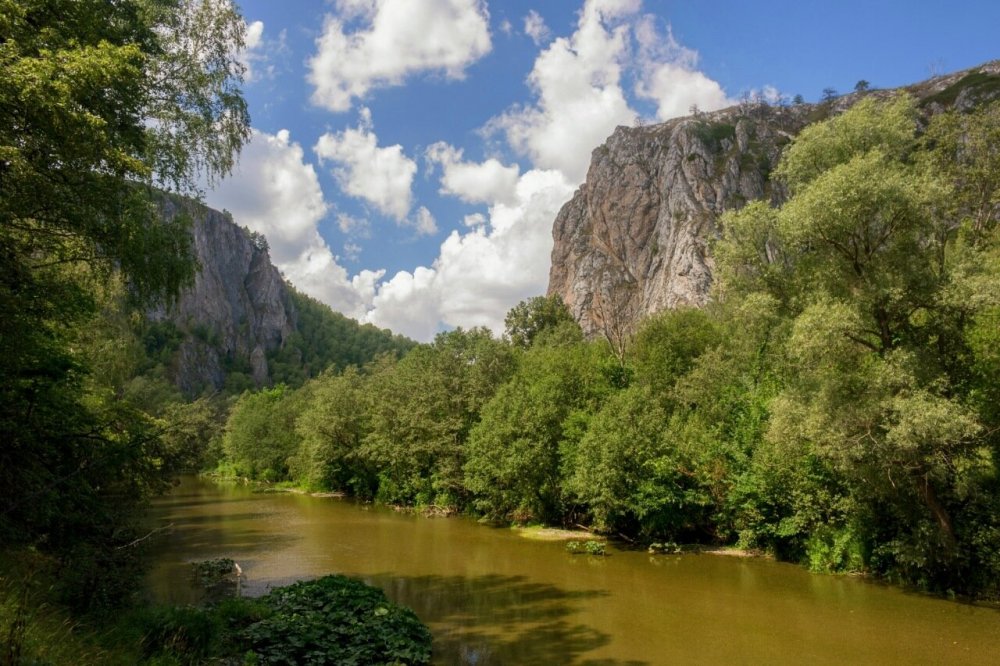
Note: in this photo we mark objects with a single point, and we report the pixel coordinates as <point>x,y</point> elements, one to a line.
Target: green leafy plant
<point>336,620</point>
<point>590,547</point>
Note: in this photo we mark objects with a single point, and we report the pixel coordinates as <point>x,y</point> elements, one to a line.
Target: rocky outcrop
<point>635,238</point>
<point>237,310</point>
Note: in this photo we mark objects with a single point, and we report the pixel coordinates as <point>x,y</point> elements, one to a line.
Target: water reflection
<point>495,619</point>
<point>493,597</point>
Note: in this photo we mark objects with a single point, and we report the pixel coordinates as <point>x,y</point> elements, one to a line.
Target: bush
<point>337,620</point>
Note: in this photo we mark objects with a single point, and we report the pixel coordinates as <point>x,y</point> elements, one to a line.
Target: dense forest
<point>835,405</point>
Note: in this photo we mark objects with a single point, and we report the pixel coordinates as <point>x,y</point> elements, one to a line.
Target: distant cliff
<point>240,325</point>
<point>238,309</point>
<point>635,238</point>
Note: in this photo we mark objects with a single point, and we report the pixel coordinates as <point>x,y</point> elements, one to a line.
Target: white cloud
<point>478,276</point>
<point>474,220</point>
<point>423,222</point>
<point>506,27</point>
<point>409,304</point>
<point>258,52</point>
<point>398,38</point>
<point>580,100</point>
<point>352,226</point>
<point>274,192</point>
<point>669,75</point>
<point>483,182</point>
<point>352,251</point>
<point>534,27</point>
<point>381,176</point>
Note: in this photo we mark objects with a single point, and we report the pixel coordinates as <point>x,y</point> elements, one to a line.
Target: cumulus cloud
<point>669,75</point>
<point>251,52</point>
<point>472,182</point>
<point>395,39</point>
<point>423,222</point>
<point>474,220</point>
<point>275,192</point>
<point>580,99</point>
<point>382,176</point>
<point>478,276</point>
<point>534,27</point>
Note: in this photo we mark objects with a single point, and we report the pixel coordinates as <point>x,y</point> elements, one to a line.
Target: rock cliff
<point>238,309</point>
<point>635,238</point>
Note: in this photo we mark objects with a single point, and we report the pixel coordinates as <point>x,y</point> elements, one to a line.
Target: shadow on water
<point>495,619</point>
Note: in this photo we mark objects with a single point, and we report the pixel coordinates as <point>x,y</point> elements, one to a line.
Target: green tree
<point>632,477</point>
<point>871,244</point>
<point>667,345</point>
<point>260,437</point>
<point>96,104</point>
<point>331,429</point>
<point>421,411</point>
<point>539,317</point>
<point>525,442</point>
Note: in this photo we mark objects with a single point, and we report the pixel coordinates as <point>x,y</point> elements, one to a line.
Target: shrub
<point>337,620</point>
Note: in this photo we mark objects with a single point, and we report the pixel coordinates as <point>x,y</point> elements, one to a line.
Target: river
<point>491,596</point>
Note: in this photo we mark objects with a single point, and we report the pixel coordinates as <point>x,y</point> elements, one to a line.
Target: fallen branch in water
<point>141,539</point>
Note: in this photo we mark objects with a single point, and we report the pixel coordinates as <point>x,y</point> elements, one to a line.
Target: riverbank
<point>358,624</point>
<point>36,628</point>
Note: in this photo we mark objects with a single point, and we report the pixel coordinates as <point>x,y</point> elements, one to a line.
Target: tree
<point>331,428</point>
<point>422,409</point>
<point>529,319</point>
<point>862,86</point>
<point>871,243</point>
<point>631,476</point>
<point>260,437</point>
<point>528,432</point>
<point>98,101</point>
<point>667,345</point>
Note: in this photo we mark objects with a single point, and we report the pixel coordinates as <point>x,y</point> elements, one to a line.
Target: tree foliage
<point>96,105</point>
<point>539,318</point>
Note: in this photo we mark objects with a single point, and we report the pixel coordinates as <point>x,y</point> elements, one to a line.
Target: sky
<point>409,157</point>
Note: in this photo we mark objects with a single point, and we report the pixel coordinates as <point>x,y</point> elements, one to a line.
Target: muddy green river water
<point>491,596</point>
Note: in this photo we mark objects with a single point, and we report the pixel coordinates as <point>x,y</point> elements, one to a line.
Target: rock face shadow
<point>496,619</point>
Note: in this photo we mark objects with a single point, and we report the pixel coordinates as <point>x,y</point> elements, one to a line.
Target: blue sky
<point>409,156</point>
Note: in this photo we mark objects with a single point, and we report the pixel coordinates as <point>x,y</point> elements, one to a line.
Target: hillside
<point>241,325</point>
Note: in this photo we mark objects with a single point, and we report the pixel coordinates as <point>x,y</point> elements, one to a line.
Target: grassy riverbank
<point>35,628</point>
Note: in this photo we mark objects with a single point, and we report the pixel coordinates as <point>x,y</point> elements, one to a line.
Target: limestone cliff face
<point>237,310</point>
<point>635,238</point>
